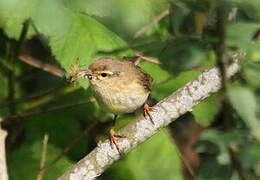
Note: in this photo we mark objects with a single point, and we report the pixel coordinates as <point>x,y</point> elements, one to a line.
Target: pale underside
<point>127,99</point>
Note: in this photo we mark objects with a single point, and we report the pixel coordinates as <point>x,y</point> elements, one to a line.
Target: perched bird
<point>119,86</point>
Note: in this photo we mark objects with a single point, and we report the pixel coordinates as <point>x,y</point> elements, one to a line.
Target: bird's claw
<point>113,139</point>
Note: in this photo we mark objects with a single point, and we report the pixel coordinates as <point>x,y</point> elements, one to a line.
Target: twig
<point>256,35</point>
<point>43,157</point>
<point>11,92</point>
<point>43,66</point>
<point>151,24</point>
<point>136,132</point>
<point>3,166</point>
<point>72,144</point>
<point>50,97</point>
<point>138,56</point>
<point>40,111</point>
<point>27,98</point>
<point>232,14</point>
<point>13,54</point>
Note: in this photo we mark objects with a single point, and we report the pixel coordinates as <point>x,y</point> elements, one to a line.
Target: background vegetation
<point>218,140</point>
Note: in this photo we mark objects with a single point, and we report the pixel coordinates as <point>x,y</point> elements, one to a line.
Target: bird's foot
<point>113,139</point>
<point>147,112</point>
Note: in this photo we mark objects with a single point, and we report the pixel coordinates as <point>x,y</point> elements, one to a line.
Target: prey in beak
<point>81,73</point>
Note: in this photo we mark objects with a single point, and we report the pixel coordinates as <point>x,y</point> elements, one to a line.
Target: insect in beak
<point>81,73</point>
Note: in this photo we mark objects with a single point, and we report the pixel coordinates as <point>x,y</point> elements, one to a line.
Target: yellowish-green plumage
<point>119,86</point>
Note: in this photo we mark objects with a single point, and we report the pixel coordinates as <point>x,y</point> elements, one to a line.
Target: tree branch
<point>166,111</point>
<point>44,66</point>
<point>151,24</point>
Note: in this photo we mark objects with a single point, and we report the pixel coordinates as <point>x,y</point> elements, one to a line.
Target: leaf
<point>181,55</point>
<point>152,160</point>
<point>240,35</point>
<point>251,8</point>
<point>164,89</point>
<point>205,111</point>
<point>250,71</point>
<point>211,169</point>
<point>181,11</point>
<point>128,16</point>
<point>24,163</point>
<point>71,35</point>
<point>249,155</point>
<point>154,70</point>
<point>85,38</point>
<point>64,120</point>
<point>97,8</point>
<point>244,102</point>
<point>221,140</point>
<point>13,13</point>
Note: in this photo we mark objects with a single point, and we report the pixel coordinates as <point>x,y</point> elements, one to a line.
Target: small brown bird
<point>119,87</point>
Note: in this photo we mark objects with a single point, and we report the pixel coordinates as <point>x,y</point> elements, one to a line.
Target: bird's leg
<point>114,135</point>
<point>147,112</point>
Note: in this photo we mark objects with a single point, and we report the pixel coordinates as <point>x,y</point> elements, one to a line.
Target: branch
<point>3,167</point>
<point>41,111</point>
<point>44,66</point>
<point>151,24</point>
<point>166,111</point>
<point>43,157</point>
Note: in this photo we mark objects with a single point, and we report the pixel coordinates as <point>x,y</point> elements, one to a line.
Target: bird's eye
<point>104,74</point>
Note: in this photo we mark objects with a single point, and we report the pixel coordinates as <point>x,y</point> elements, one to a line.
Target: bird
<point>119,86</point>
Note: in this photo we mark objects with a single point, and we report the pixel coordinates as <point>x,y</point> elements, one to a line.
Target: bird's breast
<point>119,100</point>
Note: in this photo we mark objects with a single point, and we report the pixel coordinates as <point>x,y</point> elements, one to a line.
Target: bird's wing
<point>145,79</point>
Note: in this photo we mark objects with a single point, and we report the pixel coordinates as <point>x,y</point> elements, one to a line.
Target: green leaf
<point>244,101</point>
<point>155,71</point>
<point>128,16</point>
<point>181,55</point>
<point>13,13</point>
<point>211,169</point>
<point>240,35</point>
<point>251,8</point>
<point>85,38</point>
<point>249,155</point>
<point>51,124</point>
<point>24,163</point>
<point>83,41</point>
<point>205,111</point>
<point>205,146</point>
<point>97,8</point>
<point>222,140</point>
<point>72,35</point>
<point>250,72</point>
<point>152,160</point>
<point>164,89</point>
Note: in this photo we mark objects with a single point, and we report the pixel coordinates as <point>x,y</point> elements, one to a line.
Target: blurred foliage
<point>63,32</point>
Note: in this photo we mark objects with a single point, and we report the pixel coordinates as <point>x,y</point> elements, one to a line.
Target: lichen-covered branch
<point>166,111</point>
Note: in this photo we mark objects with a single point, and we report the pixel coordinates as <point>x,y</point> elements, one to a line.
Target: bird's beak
<point>85,73</point>
<point>81,73</point>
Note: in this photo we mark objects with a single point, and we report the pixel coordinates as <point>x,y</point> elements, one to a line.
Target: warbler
<point>119,86</point>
